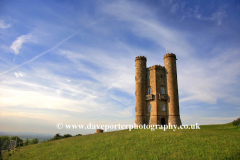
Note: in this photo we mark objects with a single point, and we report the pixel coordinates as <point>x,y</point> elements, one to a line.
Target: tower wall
<point>140,84</point>
<point>172,89</point>
<point>161,83</point>
<point>153,84</point>
<point>147,113</point>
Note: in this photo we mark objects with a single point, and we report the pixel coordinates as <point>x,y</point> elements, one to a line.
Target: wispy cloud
<point>109,73</point>
<point>217,16</point>
<point>19,74</point>
<point>144,25</point>
<point>196,76</point>
<point>4,25</point>
<point>17,44</point>
<point>205,120</point>
<point>210,81</point>
<point>79,96</point>
<point>88,75</point>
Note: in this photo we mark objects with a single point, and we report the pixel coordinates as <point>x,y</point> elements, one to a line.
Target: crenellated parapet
<point>169,55</point>
<point>141,58</point>
<point>156,92</point>
<point>156,67</point>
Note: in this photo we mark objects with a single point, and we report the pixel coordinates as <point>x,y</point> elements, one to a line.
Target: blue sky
<point>73,61</point>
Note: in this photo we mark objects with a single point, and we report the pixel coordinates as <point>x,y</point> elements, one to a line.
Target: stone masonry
<point>156,92</point>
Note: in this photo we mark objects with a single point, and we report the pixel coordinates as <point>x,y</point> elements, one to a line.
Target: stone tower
<point>172,89</point>
<point>140,83</point>
<point>156,92</point>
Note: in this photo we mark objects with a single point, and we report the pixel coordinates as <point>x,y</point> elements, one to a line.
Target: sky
<point>73,62</point>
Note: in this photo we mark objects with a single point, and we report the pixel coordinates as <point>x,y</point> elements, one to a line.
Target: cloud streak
<point>3,25</point>
<point>177,7</point>
<point>78,97</point>
<point>17,44</point>
<point>89,75</point>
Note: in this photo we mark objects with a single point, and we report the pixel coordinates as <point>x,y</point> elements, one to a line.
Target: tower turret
<point>172,89</point>
<point>140,84</point>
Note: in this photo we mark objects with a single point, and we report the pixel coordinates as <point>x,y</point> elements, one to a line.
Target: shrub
<point>5,141</point>
<point>18,140</point>
<point>57,136</point>
<point>26,142</point>
<point>4,138</point>
<point>236,122</point>
<point>79,135</point>
<point>66,135</point>
<point>34,141</point>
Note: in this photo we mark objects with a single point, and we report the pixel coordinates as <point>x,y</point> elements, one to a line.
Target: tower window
<point>149,90</point>
<point>148,76</point>
<point>162,90</point>
<point>161,76</point>
<point>163,107</point>
<point>149,108</point>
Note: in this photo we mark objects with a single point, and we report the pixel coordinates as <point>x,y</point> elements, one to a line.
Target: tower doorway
<point>163,121</point>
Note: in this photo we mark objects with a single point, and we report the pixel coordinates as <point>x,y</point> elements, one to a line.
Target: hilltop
<point>209,142</point>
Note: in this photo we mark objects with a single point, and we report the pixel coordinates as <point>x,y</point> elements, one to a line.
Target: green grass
<point>210,142</point>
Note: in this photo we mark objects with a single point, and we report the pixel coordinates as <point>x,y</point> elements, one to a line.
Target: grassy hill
<point>209,142</point>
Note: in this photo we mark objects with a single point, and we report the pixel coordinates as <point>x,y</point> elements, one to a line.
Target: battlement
<point>140,58</point>
<point>156,92</point>
<point>169,55</point>
<point>156,67</point>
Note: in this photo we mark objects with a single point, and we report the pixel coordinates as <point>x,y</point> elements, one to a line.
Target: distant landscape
<point>30,135</point>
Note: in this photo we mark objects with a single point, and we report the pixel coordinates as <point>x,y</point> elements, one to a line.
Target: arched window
<point>163,107</point>
<point>149,108</point>
<point>162,90</point>
<point>149,90</point>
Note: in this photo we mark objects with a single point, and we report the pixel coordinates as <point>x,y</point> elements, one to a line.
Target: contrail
<point>54,47</point>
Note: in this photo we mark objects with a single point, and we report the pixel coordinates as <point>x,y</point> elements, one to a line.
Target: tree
<point>66,135</point>
<point>26,142</point>
<point>18,140</point>
<point>34,141</point>
<point>4,142</point>
<point>57,136</point>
